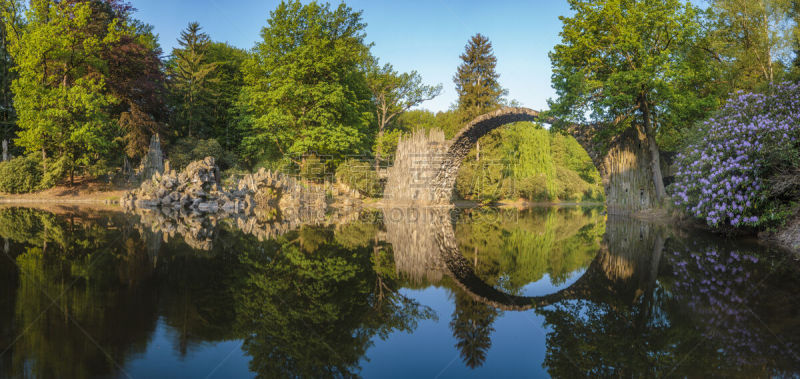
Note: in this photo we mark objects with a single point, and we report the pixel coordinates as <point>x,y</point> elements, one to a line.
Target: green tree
<point>476,79</point>
<point>752,40</point>
<point>394,93</point>
<point>623,62</point>
<point>527,161</point>
<point>8,124</point>
<point>228,84</point>
<point>192,78</point>
<point>794,15</point>
<point>60,93</point>
<point>305,90</point>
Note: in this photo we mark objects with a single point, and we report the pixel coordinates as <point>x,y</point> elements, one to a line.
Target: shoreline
<point>12,201</point>
<point>81,196</point>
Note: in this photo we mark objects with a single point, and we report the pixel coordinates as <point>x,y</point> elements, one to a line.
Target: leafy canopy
<point>60,92</point>
<point>624,61</point>
<point>304,86</point>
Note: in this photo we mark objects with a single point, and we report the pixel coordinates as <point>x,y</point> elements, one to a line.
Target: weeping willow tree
<point>529,162</point>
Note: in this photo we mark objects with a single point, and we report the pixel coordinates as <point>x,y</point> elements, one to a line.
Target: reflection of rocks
<point>290,221</point>
<point>197,231</point>
<point>265,204</point>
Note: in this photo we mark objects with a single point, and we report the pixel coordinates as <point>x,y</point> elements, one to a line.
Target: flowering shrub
<point>724,171</point>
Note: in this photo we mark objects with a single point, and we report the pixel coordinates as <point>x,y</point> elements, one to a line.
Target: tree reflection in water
<point>632,298</point>
<point>699,306</point>
<point>304,304</point>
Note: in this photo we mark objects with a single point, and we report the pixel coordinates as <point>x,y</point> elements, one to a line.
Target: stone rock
<point>265,203</point>
<point>208,207</point>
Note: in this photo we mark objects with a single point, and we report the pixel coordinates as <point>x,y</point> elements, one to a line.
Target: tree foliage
<point>192,78</point>
<point>88,79</point>
<point>628,63</point>
<point>137,80</point>
<point>477,79</point>
<point>8,124</point>
<point>225,114</point>
<point>60,92</point>
<point>394,93</point>
<point>305,87</point>
<point>751,40</point>
<point>526,161</point>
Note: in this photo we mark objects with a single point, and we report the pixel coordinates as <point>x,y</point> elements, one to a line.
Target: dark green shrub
<point>20,175</point>
<point>360,176</point>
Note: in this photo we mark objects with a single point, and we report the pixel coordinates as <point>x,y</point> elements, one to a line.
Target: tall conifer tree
<point>191,78</point>
<point>476,79</point>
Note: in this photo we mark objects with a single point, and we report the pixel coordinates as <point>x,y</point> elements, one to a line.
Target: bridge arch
<point>623,162</point>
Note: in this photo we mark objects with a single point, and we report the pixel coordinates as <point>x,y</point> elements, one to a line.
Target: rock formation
<point>265,204</point>
<point>195,189</point>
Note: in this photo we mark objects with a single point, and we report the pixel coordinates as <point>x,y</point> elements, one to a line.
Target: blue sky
<point>426,36</point>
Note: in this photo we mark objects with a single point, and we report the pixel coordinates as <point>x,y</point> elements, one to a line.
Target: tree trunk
<point>478,151</point>
<point>44,160</point>
<point>378,149</point>
<point>655,155</point>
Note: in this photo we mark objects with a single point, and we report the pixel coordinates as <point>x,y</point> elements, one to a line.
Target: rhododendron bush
<point>726,170</point>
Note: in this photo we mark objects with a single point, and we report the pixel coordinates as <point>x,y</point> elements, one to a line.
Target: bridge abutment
<point>626,174</point>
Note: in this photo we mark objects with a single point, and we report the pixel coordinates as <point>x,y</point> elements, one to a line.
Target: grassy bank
<point>81,193</point>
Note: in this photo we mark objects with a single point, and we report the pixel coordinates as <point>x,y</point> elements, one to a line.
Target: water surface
<point>542,292</point>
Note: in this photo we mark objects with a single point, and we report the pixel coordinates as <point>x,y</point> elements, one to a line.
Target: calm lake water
<point>563,292</point>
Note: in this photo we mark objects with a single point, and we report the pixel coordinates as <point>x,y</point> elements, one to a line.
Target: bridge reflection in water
<point>425,247</point>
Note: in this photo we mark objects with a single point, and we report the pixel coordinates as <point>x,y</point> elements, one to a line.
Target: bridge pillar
<point>626,174</point>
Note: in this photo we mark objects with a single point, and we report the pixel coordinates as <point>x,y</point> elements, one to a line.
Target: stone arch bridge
<point>430,164</point>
